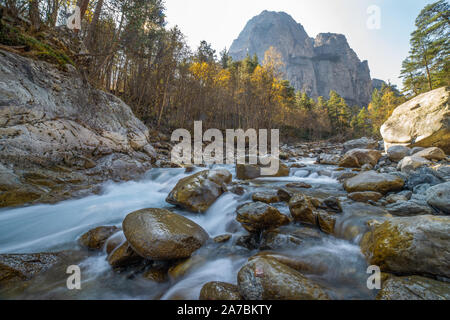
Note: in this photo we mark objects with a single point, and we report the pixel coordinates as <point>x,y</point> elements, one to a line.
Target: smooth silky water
<point>53,228</point>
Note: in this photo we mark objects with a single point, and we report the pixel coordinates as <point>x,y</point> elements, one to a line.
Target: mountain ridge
<point>312,65</point>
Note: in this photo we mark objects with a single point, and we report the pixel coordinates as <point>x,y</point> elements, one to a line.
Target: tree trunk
<point>34,14</point>
<point>95,19</point>
<point>428,75</point>
<point>83,5</point>
<point>54,12</point>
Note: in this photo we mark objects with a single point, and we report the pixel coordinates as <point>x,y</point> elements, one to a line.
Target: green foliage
<point>12,36</point>
<point>225,59</point>
<point>205,53</point>
<point>250,63</point>
<point>427,66</point>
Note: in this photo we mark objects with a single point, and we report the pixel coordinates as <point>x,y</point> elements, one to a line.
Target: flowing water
<point>53,228</point>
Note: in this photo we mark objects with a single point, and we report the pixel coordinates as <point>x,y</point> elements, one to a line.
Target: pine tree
<point>426,68</point>
<point>225,59</point>
<point>205,53</point>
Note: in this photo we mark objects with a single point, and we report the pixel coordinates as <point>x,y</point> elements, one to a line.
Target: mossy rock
<point>410,245</point>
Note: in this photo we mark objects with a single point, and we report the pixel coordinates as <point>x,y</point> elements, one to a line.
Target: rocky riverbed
<point>209,233</point>
<point>84,182</point>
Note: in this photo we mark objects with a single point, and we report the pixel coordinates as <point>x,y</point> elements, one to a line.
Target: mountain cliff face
<point>315,66</point>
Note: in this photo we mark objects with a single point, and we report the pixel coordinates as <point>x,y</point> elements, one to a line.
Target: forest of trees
<point>131,53</point>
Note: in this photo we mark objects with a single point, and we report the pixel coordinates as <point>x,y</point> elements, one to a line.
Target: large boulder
<point>373,181</point>
<point>198,192</point>
<point>410,245</point>
<point>439,197</point>
<point>158,234</point>
<point>259,216</point>
<point>267,279</point>
<point>356,158</point>
<point>123,256</point>
<point>423,122</point>
<point>414,288</point>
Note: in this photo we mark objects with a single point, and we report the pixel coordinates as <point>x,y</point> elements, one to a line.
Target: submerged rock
<point>300,264</point>
<point>114,242</point>
<point>223,238</point>
<point>288,237</point>
<point>250,172</point>
<point>304,209</point>
<point>329,159</point>
<point>198,192</point>
<point>373,181</point>
<point>220,291</point>
<point>266,197</point>
<point>326,221</point>
<point>124,256</point>
<point>183,267</point>
<point>365,196</point>
<point>412,245</point>
<point>96,238</point>
<point>22,267</point>
<point>259,216</point>
<point>414,288</point>
<point>158,234</point>
<point>268,279</point>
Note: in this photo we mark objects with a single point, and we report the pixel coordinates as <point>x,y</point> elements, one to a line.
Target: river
<point>52,228</point>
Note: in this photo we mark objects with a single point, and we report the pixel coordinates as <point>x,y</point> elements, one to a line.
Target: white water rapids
<point>52,228</point>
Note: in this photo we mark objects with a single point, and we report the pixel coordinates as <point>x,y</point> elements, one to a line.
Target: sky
<point>385,46</point>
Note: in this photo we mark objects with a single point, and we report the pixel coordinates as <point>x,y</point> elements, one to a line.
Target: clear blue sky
<point>220,22</point>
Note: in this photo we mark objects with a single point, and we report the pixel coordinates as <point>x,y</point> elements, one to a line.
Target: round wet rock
<point>158,234</point>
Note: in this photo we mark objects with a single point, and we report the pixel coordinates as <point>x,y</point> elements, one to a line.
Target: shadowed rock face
<point>315,66</point>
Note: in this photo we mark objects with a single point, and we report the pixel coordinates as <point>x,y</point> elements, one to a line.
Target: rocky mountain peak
<point>313,65</point>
